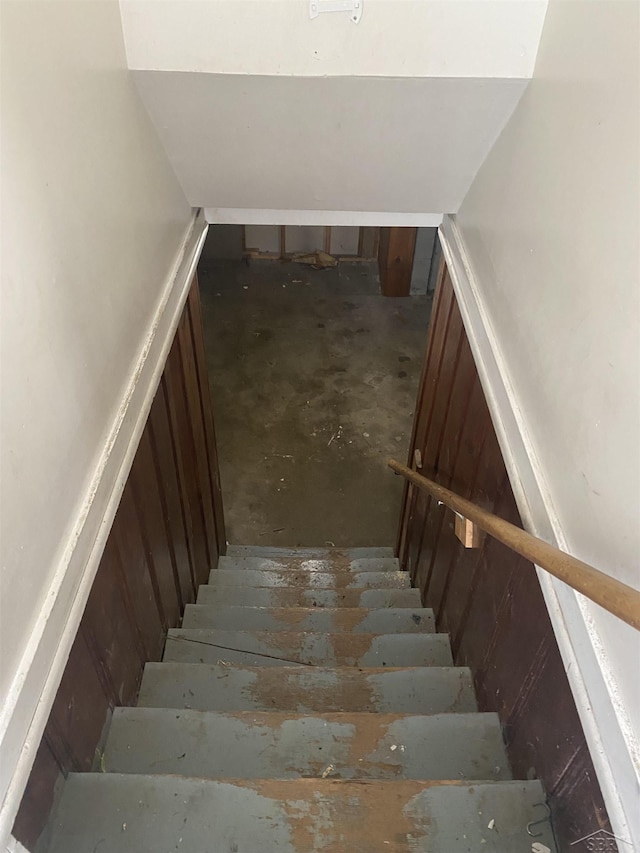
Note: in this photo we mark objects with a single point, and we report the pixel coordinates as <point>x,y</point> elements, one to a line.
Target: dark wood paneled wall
<point>167,535</point>
<point>489,599</point>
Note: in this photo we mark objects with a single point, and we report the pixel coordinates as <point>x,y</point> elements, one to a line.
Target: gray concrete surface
<point>301,729</point>
<point>388,620</point>
<point>276,552</point>
<point>219,687</point>
<point>310,580</point>
<point>283,648</point>
<point>361,564</point>
<point>259,596</point>
<point>115,813</point>
<point>281,745</point>
<point>314,378</point>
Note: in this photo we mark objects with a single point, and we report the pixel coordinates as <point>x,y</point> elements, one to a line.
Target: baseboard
<point>603,718</point>
<point>22,720</point>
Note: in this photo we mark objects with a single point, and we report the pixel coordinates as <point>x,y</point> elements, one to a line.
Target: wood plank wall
<point>489,599</point>
<point>167,534</point>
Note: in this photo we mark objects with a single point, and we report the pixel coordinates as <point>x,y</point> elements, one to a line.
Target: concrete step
<point>304,689</point>
<point>307,564</point>
<point>389,620</point>
<point>277,745</point>
<point>309,553</point>
<point>293,597</point>
<point>113,813</point>
<point>270,648</point>
<point>310,580</point>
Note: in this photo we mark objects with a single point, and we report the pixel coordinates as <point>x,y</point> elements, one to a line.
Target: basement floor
<point>314,378</point>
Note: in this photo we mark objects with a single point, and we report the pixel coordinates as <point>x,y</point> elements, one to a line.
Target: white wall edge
<point>603,717</point>
<point>14,846</point>
<point>239,216</point>
<point>22,720</point>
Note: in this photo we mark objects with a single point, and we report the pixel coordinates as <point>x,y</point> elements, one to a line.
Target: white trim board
<point>22,721</point>
<point>14,846</point>
<point>240,216</point>
<point>603,719</point>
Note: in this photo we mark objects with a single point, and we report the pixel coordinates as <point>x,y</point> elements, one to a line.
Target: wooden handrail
<point>616,597</point>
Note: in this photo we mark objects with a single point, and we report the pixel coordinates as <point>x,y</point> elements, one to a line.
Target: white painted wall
<point>551,231</point>
<point>364,144</point>
<point>93,225</point>
<point>395,38</point>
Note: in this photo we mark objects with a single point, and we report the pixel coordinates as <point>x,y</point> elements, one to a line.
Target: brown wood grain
<point>139,576</point>
<point>395,260</point>
<point>162,543</point>
<point>613,595</point>
<point>434,434</point>
<point>196,424</point>
<point>206,406</point>
<point>489,599</point>
<point>417,428</point>
<point>45,781</point>
<point>168,462</point>
<point>184,440</point>
<point>427,395</point>
<point>145,487</point>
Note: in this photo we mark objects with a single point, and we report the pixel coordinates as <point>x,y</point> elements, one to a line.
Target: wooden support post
<point>395,260</point>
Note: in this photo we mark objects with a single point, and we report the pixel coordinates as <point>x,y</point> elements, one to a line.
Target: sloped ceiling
<point>260,107</point>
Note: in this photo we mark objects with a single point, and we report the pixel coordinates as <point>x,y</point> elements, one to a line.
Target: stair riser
<point>283,648</point>
<point>291,597</point>
<point>310,580</point>
<point>307,564</point>
<point>277,746</point>
<point>111,813</point>
<point>309,553</point>
<point>307,689</point>
<point>388,621</point>
<point>305,705</point>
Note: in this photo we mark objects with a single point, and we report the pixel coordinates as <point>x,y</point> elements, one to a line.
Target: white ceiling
<point>336,144</point>
<point>261,108</point>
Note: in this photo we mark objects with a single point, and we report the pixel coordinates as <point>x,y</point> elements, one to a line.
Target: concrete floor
<point>314,377</point>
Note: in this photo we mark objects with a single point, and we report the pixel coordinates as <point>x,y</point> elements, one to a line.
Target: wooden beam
<point>395,260</point>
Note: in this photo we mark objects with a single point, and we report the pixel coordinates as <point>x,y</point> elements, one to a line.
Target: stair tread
<point>127,813</point>
<point>305,704</point>
<point>279,648</point>
<point>272,744</point>
<point>296,597</point>
<point>310,580</point>
<point>310,564</point>
<point>423,690</point>
<point>312,619</point>
<point>312,553</point>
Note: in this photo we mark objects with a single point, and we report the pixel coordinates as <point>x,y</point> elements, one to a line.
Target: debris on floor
<point>286,368</point>
<point>318,260</point>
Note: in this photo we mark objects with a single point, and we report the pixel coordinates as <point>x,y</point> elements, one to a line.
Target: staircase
<point>306,704</point>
